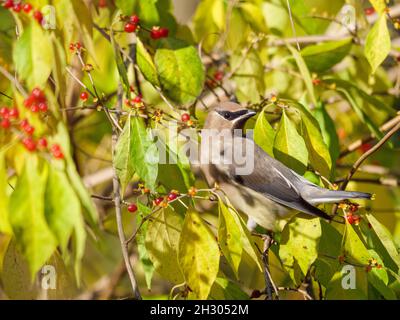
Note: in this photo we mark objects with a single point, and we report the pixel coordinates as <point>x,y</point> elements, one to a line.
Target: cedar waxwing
<point>265,192</point>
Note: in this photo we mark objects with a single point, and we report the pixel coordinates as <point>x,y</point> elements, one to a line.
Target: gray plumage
<point>271,185</point>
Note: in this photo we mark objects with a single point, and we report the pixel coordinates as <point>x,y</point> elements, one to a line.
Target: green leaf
<point>385,237</point>
<point>90,211</point>
<point>249,76</point>
<point>198,255</point>
<point>144,153</point>
<point>318,151</point>
<point>62,206</point>
<point>33,235</point>
<point>162,241</point>
<point>377,44</point>
<point>33,55</point>
<point>253,15</point>
<point>328,130</point>
<point>146,64</point>
<point>136,152</point>
<point>335,290</point>
<point>289,146</point>
<point>123,155</point>
<point>224,289</point>
<point>144,258</point>
<point>246,240</point>
<point>323,56</point>
<point>360,113</point>
<point>230,237</point>
<point>305,73</point>
<point>180,70</point>
<point>120,65</point>
<point>299,244</point>
<point>4,198</point>
<point>379,5</point>
<point>126,6</point>
<point>209,20</point>
<point>264,134</point>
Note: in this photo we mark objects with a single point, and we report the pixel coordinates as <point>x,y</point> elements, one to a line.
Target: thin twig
<point>303,292</point>
<point>360,160</point>
<point>118,214</point>
<point>358,143</point>
<point>292,24</point>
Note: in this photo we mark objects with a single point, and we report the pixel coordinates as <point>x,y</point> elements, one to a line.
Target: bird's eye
<point>226,115</point>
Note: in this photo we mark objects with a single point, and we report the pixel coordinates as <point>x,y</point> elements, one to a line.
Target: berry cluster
<point>136,102</point>
<point>186,119</point>
<point>18,6</point>
<point>373,263</point>
<point>9,118</point>
<point>158,202</point>
<point>36,101</point>
<point>133,23</point>
<point>75,47</point>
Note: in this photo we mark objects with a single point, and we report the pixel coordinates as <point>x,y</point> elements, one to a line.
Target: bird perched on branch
<point>255,183</point>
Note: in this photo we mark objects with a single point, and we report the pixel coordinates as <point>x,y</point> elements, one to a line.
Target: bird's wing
<point>276,182</point>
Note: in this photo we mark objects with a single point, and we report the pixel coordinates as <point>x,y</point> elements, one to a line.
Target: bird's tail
<point>333,196</point>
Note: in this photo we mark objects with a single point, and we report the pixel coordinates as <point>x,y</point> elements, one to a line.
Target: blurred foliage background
<point>325,79</point>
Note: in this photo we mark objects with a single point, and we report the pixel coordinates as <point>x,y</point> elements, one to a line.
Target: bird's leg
<point>270,286</point>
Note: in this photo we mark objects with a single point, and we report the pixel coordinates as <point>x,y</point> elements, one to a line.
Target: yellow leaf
<point>198,255</point>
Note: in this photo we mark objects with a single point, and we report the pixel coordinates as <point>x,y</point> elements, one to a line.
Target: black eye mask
<point>232,115</point>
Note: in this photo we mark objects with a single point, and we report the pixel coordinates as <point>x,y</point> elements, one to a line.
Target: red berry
<point>4,112</point>
<point>102,3</point>
<point>38,95</point>
<point>369,11</point>
<point>158,201</point>
<point>218,75</point>
<point>8,4</point>
<point>5,123</point>
<point>72,46</point>
<point>35,108</point>
<point>42,142</point>
<point>29,129</point>
<point>24,123</point>
<point>172,196</point>
<point>134,19</point>
<point>78,45</point>
<point>132,207</point>
<point>164,32</point>
<point>17,7</point>
<point>185,117</point>
<point>130,27</point>
<point>43,107</point>
<point>155,33</point>
<point>137,99</point>
<point>14,113</point>
<point>29,144</point>
<point>27,7</point>
<point>38,16</point>
<point>84,96</point>
<point>56,151</point>
<point>29,101</point>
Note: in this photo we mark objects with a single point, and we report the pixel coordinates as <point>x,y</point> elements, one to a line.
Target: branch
<point>358,143</point>
<point>303,292</point>
<point>371,151</point>
<point>118,214</point>
<point>360,160</point>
